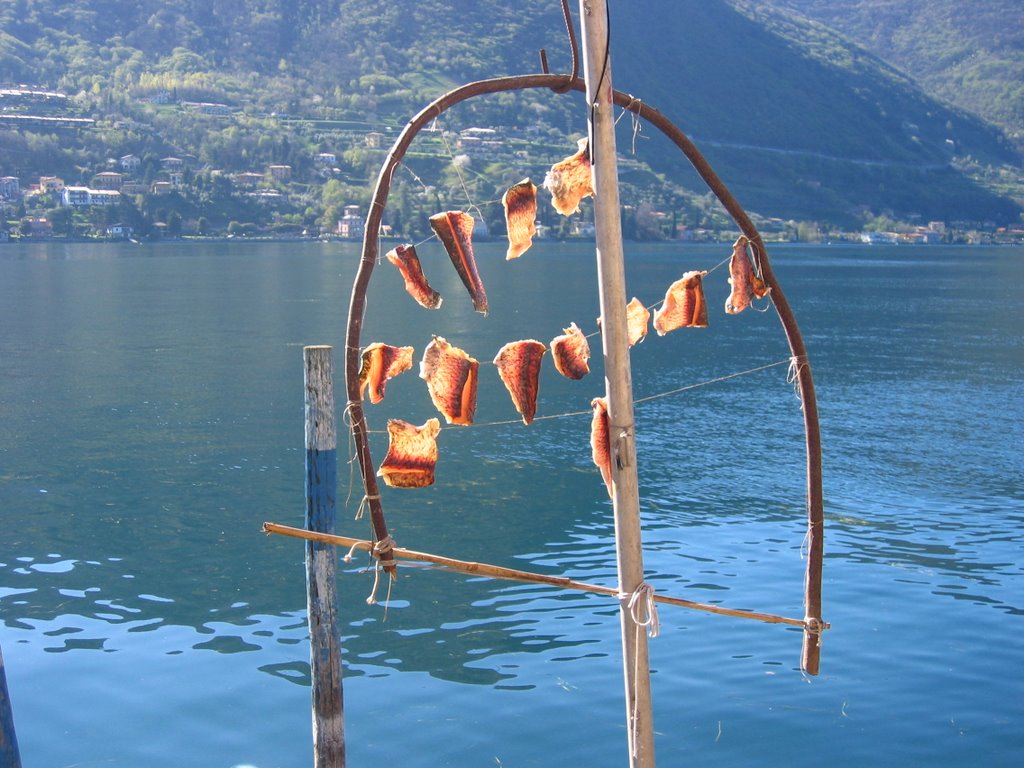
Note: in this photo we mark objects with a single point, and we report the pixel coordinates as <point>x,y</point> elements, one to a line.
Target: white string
<point>793,375</point>
<point>637,401</point>
<point>644,613</point>
<point>643,610</point>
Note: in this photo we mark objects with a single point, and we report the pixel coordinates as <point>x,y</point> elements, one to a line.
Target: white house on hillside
<point>79,197</point>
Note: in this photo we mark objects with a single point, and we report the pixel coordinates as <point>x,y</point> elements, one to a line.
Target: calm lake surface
<point>151,418</point>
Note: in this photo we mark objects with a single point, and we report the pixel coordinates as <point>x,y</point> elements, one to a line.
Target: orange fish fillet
<point>412,454</point>
<point>404,257</point>
<point>684,305</point>
<point>518,365</point>
<point>600,444</point>
<point>637,318</point>
<point>520,203</point>
<point>745,282</point>
<point>380,363</point>
<point>570,352</point>
<point>451,377</point>
<point>455,229</point>
<point>569,181</point>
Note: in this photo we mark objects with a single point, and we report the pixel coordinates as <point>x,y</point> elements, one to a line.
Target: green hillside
<point>787,111</point>
<point>800,123</point>
<point>969,54</point>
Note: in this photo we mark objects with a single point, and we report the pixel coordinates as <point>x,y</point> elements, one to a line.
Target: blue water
<point>151,418</point>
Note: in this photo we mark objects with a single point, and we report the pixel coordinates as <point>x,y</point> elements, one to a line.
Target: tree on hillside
<point>61,220</point>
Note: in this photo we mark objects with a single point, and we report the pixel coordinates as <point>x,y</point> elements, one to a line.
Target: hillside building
<point>50,184</point>
<point>9,187</point>
<point>107,180</point>
<point>247,179</point>
<point>351,224</point>
<point>120,231</point>
<point>280,172</point>
<point>74,196</point>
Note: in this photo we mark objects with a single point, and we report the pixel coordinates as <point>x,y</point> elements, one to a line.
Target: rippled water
<point>151,420</point>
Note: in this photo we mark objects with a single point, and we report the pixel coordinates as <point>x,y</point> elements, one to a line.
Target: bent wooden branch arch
<point>813,623</point>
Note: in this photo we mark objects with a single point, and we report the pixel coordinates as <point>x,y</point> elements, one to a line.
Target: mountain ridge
<point>969,54</point>
<point>800,123</point>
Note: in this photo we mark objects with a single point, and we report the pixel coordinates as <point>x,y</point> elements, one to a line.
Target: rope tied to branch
<point>384,546</point>
<point>644,613</point>
<point>346,419</point>
<point>348,556</point>
<point>380,548</point>
<point>642,608</point>
<point>796,364</point>
<point>364,503</point>
<point>816,627</point>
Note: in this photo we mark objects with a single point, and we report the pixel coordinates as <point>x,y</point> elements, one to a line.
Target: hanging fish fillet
<point>451,377</point>
<point>600,444</point>
<point>637,318</point>
<point>518,365</point>
<point>569,181</point>
<point>571,352</point>
<point>520,202</point>
<point>455,229</point>
<point>744,280</point>
<point>684,305</point>
<point>404,257</point>
<point>380,363</point>
<point>412,454</point>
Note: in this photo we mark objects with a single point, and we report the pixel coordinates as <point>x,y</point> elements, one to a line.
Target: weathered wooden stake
<point>321,568</point>
<point>618,379</point>
<point>9,756</point>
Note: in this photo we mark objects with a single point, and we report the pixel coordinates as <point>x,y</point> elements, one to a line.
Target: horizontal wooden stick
<point>513,574</point>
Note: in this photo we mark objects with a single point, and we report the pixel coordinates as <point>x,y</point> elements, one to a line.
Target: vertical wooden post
<point>618,379</point>
<point>9,756</point>
<point>321,568</point>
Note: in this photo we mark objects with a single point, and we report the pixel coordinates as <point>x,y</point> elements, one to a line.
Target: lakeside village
<point>322,194</point>
<point>48,209</point>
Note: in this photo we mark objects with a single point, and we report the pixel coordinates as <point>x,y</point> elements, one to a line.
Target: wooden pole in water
<point>9,756</point>
<point>321,564</point>
<point>618,379</point>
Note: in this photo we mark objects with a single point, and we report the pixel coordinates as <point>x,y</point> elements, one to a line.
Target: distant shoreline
<point>1018,242</point>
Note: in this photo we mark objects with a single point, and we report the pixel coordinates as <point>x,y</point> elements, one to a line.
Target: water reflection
<point>153,420</point>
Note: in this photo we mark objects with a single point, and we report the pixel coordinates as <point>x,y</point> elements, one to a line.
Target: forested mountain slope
<point>800,123</point>
<point>970,54</point>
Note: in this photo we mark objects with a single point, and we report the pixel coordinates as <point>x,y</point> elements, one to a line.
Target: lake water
<point>151,418</point>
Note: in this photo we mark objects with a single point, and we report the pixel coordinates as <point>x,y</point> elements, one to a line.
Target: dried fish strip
<point>569,181</point>
<point>570,351</point>
<point>600,444</point>
<point>404,257</point>
<point>412,454</point>
<point>520,203</point>
<point>451,377</point>
<point>684,305</point>
<point>455,230</point>
<point>637,319</point>
<point>518,364</point>
<point>382,362</point>
<point>745,282</point>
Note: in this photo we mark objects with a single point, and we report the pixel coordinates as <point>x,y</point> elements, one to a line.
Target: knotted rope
<point>644,613</point>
